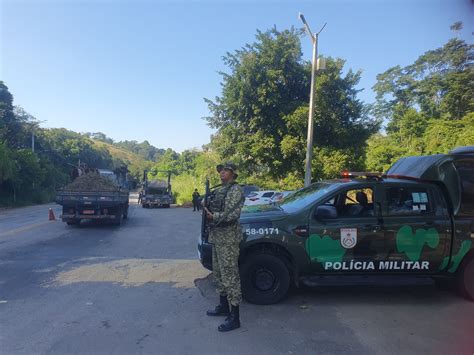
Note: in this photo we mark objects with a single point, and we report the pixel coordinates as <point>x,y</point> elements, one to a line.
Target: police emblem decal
<point>348,237</point>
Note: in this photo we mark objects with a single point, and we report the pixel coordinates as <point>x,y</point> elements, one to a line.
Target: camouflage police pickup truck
<point>418,219</point>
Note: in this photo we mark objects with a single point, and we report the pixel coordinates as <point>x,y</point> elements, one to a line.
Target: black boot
<point>222,309</point>
<point>232,321</point>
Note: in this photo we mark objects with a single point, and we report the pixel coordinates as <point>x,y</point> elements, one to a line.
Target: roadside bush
<point>183,187</point>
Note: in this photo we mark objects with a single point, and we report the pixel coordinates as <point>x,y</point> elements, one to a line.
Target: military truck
<point>99,194</point>
<point>417,219</point>
<point>156,193</point>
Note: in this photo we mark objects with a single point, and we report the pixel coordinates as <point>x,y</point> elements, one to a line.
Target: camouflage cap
<point>228,166</point>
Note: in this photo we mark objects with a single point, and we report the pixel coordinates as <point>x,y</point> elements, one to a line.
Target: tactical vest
<point>217,198</point>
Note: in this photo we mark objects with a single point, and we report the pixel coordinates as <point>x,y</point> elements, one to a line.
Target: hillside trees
<point>27,176</point>
<point>143,149</point>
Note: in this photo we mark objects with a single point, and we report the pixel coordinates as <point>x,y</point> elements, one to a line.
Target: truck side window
<point>408,201</point>
<point>353,203</point>
<point>465,168</point>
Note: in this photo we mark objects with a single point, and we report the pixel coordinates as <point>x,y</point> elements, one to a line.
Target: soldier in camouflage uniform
<point>225,234</point>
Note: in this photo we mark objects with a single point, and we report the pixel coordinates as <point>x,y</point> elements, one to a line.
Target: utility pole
<point>34,125</point>
<point>314,65</point>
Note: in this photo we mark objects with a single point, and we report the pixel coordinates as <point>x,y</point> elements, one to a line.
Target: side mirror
<point>325,212</point>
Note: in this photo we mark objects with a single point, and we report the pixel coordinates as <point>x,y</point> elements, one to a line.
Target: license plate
<point>88,212</point>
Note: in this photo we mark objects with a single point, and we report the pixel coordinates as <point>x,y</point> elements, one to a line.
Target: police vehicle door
<point>416,226</point>
<point>347,237</point>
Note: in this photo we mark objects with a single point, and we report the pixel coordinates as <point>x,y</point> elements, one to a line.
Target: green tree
<point>427,105</point>
<point>99,136</point>
<point>261,115</point>
<point>440,83</point>
<point>443,135</point>
<point>144,149</point>
<point>187,161</point>
<point>168,162</point>
<point>10,126</point>
<point>382,152</point>
<point>7,166</point>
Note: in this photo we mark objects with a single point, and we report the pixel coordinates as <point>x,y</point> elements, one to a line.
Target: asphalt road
<point>139,289</point>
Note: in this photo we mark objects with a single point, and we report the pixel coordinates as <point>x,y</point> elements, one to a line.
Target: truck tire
<point>125,212</point>
<point>465,278</point>
<point>73,222</point>
<point>265,279</point>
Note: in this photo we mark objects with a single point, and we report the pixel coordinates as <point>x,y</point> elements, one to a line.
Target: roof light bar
<point>361,174</point>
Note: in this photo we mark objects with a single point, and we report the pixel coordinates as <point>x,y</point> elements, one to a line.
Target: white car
<point>259,198</point>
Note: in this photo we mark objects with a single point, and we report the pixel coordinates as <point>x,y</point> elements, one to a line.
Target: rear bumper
<point>86,216</point>
<point>156,203</point>
<point>205,253</point>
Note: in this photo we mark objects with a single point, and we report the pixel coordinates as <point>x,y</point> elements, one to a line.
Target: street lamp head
<point>301,16</point>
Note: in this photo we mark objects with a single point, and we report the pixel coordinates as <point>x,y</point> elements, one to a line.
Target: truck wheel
<point>465,278</point>
<point>73,222</point>
<point>265,279</point>
<point>125,213</point>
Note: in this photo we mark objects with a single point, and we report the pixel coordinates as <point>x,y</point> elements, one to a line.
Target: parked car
<point>248,189</point>
<point>280,196</point>
<point>259,197</point>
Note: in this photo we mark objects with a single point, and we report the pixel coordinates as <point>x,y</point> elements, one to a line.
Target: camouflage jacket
<point>225,224</point>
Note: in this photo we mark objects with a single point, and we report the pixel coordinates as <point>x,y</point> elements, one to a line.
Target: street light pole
<point>34,125</point>
<point>309,146</point>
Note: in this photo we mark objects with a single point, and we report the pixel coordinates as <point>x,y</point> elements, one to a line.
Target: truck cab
<point>415,220</point>
<point>156,193</point>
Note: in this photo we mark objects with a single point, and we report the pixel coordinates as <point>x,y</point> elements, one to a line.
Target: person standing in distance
<point>225,234</point>
<point>196,197</point>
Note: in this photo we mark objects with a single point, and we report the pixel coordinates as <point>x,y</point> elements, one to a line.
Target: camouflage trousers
<point>225,268</point>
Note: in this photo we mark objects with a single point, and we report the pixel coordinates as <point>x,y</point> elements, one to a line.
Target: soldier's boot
<point>222,309</point>
<point>232,321</point>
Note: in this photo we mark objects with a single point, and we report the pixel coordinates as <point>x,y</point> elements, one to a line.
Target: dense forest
<point>260,119</point>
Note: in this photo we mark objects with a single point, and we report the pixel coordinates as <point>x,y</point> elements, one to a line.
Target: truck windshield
<point>306,196</point>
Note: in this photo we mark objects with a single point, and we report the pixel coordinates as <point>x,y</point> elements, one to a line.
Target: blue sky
<point>138,70</point>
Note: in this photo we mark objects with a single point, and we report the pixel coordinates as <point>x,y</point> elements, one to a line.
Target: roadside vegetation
<point>260,119</point>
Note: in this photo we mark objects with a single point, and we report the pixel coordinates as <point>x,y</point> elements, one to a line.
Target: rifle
<point>204,231</point>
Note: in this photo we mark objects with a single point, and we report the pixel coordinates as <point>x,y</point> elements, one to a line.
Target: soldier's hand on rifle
<point>208,214</point>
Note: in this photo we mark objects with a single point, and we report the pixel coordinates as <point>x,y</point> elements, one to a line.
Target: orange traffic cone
<point>51,215</point>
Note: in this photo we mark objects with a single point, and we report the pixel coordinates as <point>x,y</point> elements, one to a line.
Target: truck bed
<point>66,197</point>
<point>98,205</point>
